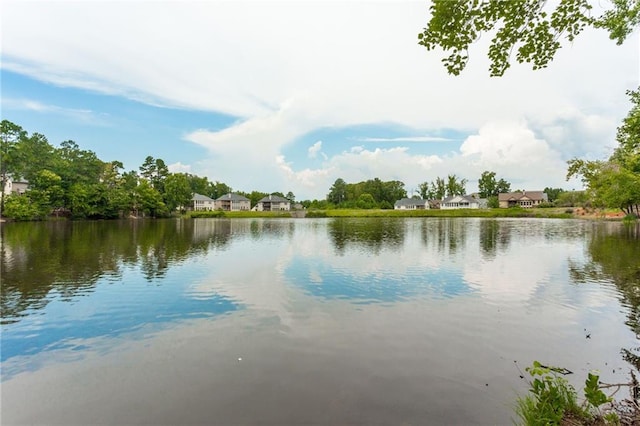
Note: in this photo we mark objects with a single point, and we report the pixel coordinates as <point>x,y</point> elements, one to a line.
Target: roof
<point>232,197</point>
<point>274,199</point>
<point>458,198</point>
<point>410,202</point>
<point>200,197</point>
<point>515,196</point>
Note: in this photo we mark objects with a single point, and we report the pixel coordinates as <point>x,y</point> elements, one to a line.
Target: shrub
<point>552,400</point>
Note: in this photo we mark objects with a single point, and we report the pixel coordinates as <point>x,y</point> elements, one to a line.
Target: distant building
<point>17,186</point>
<point>272,203</point>
<point>525,199</point>
<point>232,203</point>
<point>411,204</point>
<point>202,202</point>
<point>463,202</point>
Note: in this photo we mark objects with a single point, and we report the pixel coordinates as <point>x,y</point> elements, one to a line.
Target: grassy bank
<point>559,213</point>
<point>491,213</point>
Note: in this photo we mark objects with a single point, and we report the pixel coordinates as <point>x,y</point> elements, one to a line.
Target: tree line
<point>69,181</point>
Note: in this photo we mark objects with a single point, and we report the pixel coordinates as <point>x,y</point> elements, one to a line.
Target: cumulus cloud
<point>314,149</point>
<point>179,168</point>
<point>405,139</point>
<point>264,63</point>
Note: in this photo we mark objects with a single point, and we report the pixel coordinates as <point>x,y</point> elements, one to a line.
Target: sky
<point>290,96</point>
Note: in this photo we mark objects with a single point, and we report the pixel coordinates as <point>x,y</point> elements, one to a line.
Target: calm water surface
<point>307,321</point>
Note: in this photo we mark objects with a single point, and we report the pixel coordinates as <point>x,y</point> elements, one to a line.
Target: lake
<point>307,321</point>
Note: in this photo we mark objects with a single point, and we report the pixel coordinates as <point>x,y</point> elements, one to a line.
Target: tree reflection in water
<point>615,257</point>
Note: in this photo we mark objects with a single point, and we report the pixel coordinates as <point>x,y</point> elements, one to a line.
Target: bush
<point>552,400</point>
<point>316,213</point>
<point>205,213</point>
<point>545,205</point>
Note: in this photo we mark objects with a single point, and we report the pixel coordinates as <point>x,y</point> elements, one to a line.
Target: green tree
<point>455,186</point>
<point>366,201</point>
<point>21,207</point>
<point>290,197</point>
<point>434,190</point>
<point>10,136</point>
<point>337,192</point>
<point>627,153</point>
<point>178,192</point>
<point>439,188</point>
<point>218,189</point>
<point>526,27</point>
<point>149,199</point>
<point>155,171</point>
<point>553,193</point>
<point>616,183</point>
<point>489,187</point>
<point>199,185</point>
<point>502,186</point>
<point>487,184</point>
<point>46,187</point>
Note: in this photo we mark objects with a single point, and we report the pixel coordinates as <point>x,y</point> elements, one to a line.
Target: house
<point>463,202</point>
<point>17,186</point>
<point>232,203</point>
<point>525,199</point>
<point>202,202</point>
<point>411,204</point>
<point>272,203</point>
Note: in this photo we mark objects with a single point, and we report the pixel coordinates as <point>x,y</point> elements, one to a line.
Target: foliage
<point>615,183</point>
<point>21,207</point>
<point>572,199</point>
<point>552,399</point>
<point>349,194</point>
<point>553,193</point>
<point>177,191</point>
<point>76,182</point>
<point>455,186</point>
<point>489,187</point>
<point>525,27</point>
<point>205,214</point>
<point>438,189</point>
<point>493,202</point>
<point>435,190</point>
<point>366,201</point>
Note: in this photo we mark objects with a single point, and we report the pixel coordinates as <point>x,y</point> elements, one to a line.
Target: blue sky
<point>262,97</point>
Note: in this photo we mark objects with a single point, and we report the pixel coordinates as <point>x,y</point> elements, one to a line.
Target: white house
<point>463,202</point>
<point>411,204</point>
<point>17,186</point>
<point>202,202</point>
<point>272,203</point>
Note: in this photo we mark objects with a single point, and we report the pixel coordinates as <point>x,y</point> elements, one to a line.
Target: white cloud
<point>80,115</point>
<point>275,66</point>
<point>179,168</point>
<point>405,139</point>
<point>314,149</point>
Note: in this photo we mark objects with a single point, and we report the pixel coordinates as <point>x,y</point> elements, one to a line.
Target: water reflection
<point>446,235</point>
<point>92,279</point>
<point>222,321</point>
<point>615,258</point>
<point>370,235</point>
<point>70,257</point>
<point>494,236</point>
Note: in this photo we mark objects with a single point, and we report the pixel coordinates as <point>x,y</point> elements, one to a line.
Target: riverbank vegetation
<point>69,182</point>
<point>552,400</point>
